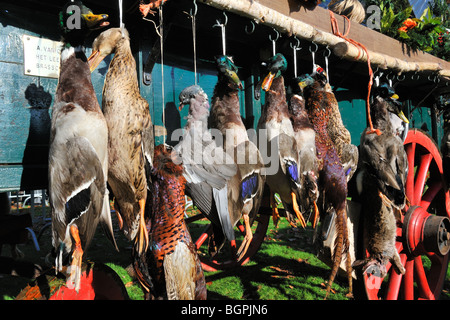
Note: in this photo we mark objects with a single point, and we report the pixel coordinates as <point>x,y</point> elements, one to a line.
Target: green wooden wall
<point>26,101</point>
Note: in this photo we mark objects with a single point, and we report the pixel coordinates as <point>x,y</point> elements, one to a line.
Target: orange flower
<point>407,25</point>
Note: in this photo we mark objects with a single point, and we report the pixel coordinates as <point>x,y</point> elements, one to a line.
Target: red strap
<point>360,46</point>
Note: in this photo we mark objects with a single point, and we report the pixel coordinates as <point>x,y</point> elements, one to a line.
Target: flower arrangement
<point>429,32</point>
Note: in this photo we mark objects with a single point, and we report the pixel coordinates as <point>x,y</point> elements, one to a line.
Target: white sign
<point>41,56</point>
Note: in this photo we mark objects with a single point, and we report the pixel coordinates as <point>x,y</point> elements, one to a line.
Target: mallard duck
<point>332,178</point>
<point>305,138</point>
<point>130,142</point>
<point>347,152</point>
<point>207,168</point>
<point>381,181</point>
<point>246,187</point>
<point>276,122</point>
<point>173,261</point>
<point>78,156</point>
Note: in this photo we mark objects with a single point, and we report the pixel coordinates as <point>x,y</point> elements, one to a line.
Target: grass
<point>284,268</point>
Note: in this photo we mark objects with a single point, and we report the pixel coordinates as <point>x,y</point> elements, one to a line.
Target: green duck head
<point>303,81</point>
<point>227,68</point>
<point>77,21</point>
<point>275,66</point>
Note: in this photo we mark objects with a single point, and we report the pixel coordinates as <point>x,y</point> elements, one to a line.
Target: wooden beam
<point>314,25</point>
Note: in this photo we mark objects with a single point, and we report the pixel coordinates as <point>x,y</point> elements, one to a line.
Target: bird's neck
<point>380,115</point>
<point>276,104</point>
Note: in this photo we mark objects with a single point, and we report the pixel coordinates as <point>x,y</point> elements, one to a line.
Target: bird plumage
<point>172,257</point>
<point>78,159</point>
<point>245,188</point>
<point>275,119</point>
<point>383,168</point>
<point>130,140</point>
<point>339,134</point>
<point>305,137</point>
<point>332,178</point>
<point>207,168</point>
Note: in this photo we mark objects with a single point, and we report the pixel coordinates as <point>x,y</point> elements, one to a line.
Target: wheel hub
<point>425,233</point>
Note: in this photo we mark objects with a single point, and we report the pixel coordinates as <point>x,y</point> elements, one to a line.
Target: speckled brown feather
<point>166,224</point>
<point>332,177</point>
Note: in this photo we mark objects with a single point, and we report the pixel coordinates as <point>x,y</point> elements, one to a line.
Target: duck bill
<point>267,82</point>
<point>234,78</point>
<point>302,84</point>
<point>94,60</point>
<point>181,106</point>
<point>95,21</point>
<point>402,116</point>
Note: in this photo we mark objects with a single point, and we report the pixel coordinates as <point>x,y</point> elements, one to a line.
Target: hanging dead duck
<point>130,141</point>
<point>306,145</point>
<point>276,122</point>
<point>246,187</point>
<point>207,168</point>
<point>381,182</point>
<point>78,158</point>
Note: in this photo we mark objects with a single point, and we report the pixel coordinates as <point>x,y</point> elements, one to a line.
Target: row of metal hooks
<point>295,45</point>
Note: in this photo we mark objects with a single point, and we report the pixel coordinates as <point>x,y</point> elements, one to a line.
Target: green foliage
<point>431,34</point>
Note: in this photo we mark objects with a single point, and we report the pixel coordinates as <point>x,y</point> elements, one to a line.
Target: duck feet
<point>119,217</point>
<point>297,210</point>
<point>275,213</point>
<point>142,237</point>
<point>315,217</point>
<point>247,238</point>
<point>73,282</point>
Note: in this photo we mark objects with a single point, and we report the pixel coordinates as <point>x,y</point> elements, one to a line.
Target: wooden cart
<point>251,28</point>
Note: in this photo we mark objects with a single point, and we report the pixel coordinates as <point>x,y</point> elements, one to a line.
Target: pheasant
<point>332,178</point>
<point>174,265</point>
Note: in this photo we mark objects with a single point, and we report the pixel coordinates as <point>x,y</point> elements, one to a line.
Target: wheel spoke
<point>410,151</point>
<point>421,176</point>
<point>408,282</point>
<point>394,281</point>
<point>429,195</point>
<point>421,279</point>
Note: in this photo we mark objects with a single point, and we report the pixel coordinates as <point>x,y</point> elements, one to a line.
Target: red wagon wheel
<point>423,238</point>
<point>229,258</point>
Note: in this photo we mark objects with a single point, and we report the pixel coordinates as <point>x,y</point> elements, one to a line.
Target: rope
<point>360,46</point>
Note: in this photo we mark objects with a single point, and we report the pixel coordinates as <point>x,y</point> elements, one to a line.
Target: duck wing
<point>78,188</point>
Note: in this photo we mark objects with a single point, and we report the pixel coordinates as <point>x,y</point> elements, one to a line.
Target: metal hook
<point>400,77</point>
<point>295,46</point>
<point>253,28</point>
<point>218,24</point>
<point>415,76</point>
<point>327,52</point>
<point>310,47</point>
<point>277,34</point>
<point>195,9</point>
